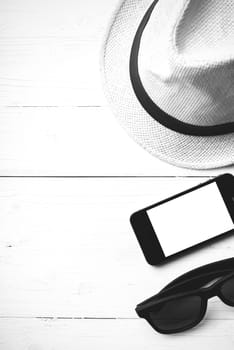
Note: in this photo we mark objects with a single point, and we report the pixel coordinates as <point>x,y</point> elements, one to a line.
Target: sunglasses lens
<point>227,290</point>
<point>175,315</point>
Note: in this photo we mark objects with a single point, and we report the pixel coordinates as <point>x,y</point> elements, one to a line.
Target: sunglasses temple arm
<point>218,266</point>
<point>196,278</point>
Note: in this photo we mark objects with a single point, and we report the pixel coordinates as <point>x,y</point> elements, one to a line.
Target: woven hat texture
<point>186,65</point>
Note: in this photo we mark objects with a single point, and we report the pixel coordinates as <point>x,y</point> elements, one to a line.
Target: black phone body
<point>185,220</point>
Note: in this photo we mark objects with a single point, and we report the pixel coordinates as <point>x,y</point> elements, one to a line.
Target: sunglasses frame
<point>191,284</point>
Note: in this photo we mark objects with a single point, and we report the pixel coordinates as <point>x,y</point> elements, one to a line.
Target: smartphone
<point>185,220</point>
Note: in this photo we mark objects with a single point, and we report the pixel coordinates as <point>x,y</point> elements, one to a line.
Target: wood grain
<point>50,52</point>
<point>75,142</point>
<point>44,334</point>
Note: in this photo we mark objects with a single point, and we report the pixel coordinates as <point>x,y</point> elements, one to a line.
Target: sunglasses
<point>182,304</point>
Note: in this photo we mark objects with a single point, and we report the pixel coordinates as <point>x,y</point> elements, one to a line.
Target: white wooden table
<point>71,270</point>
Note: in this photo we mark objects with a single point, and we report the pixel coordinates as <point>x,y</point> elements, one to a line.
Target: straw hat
<point>168,73</point>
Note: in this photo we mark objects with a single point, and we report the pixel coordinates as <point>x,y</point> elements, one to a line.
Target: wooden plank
<point>50,52</point>
<point>49,72</point>
<point>44,334</point>
<point>75,141</point>
<point>67,248</point>
<point>50,18</point>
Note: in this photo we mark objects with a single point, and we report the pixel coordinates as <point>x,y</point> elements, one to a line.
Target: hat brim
<point>200,152</point>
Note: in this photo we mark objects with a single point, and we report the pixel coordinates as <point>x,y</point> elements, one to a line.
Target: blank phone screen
<point>190,219</point>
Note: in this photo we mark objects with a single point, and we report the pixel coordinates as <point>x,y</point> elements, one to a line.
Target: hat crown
<point>186,60</point>
<point>204,30</point>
